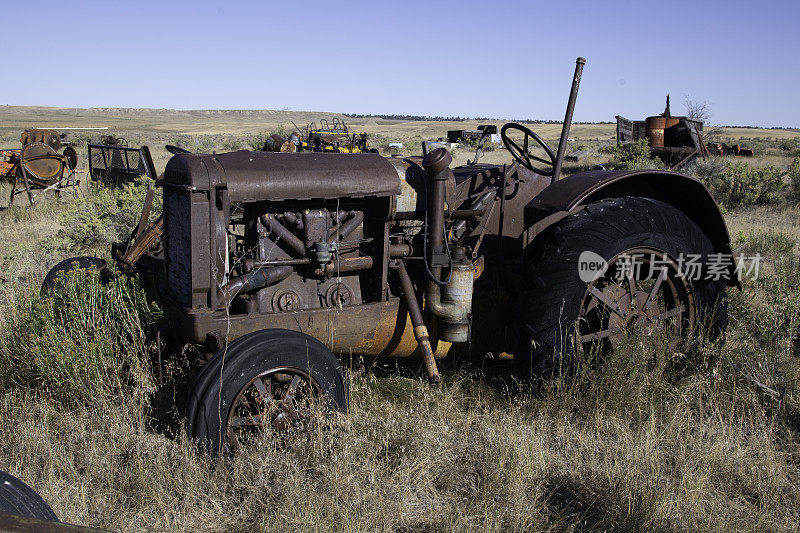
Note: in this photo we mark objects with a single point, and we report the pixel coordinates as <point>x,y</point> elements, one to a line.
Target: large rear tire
<point>556,297</point>
<point>265,380</point>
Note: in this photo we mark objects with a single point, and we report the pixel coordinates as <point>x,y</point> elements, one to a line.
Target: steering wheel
<point>523,155</point>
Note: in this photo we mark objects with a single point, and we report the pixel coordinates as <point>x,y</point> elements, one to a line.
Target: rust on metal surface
<point>49,137</point>
<point>370,329</point>
<point>38,169</point>
<point>261,176</point>
<point>277,143</point>
<point>685,193</point>
<point>420,331</point>
<point>573,97</point>
<point>313,243</point>
<point>42,160</point>
<point>140,245</point>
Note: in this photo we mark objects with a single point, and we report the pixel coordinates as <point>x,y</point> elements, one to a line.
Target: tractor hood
<point>256,176</point>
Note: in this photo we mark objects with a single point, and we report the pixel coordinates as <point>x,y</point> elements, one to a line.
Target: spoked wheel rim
<point>654,299</point>
<point>279,399</point>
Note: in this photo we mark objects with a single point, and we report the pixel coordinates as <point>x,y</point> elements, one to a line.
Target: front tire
<point>54,280</point>
<point>555,297</point>
<point>265,380</point>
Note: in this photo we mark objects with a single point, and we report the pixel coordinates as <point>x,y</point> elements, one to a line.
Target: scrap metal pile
<point>721,148</point>
<point>332,136</point>
<point>674,140</point>
<point>38,167</point>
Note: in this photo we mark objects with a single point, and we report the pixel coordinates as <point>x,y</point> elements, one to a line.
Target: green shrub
<point>789,145</point>
<point>742,185</point>
<point>633,156</point>
<point>83,344</point>
<point>106,215</point>
<point>412,146</point>
<point>712,168</point>
<point>794,176</point>
<point>257,140</point>
<point>770,243</point>
<point>235,143</point>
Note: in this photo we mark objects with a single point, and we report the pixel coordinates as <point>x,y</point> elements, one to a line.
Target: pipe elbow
<point>435,304</point>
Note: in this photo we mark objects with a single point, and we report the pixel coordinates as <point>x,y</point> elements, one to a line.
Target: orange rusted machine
<point>37,167</point>
<point>674,140</point>
<point>8,157</point>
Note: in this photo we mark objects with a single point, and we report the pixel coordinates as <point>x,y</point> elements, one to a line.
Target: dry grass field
<point>225,130</point>
<point>655,440</point>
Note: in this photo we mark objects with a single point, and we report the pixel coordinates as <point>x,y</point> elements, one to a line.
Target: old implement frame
<point>116,164</point>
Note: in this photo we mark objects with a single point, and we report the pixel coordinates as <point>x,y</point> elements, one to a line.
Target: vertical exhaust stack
<point>573,96</point>
<point>451,300</point>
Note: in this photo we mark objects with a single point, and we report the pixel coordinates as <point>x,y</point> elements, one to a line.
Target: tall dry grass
<point>649,438</point>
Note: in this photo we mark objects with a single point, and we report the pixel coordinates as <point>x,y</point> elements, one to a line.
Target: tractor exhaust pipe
<point>450,301</point>
<point>573,96</point>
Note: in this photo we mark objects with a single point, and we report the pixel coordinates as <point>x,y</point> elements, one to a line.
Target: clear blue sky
<point>502,59</point>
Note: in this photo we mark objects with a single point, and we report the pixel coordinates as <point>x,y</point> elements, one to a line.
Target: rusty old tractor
<point>277,263</point>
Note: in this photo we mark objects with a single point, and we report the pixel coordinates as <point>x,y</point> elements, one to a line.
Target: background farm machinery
<point>38,167</point>
<point>674,140</point>
<point>114,163</point>
<point>333,136</point>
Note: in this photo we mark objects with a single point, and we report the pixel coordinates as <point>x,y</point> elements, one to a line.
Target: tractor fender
<point>682,192</point>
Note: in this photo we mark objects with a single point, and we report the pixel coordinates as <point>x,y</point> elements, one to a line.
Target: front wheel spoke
<point>264,389</point>
<point>632,288</point>
<point>291,390</point>
<point>600,334</point>
<point>669,313</point>
<point>656,286</point>
<point>608,302</point>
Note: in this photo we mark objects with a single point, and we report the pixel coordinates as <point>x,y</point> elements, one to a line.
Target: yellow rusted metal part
<point>373,329</point>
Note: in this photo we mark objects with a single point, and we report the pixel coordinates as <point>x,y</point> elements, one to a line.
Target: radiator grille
<point>177,236</point>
